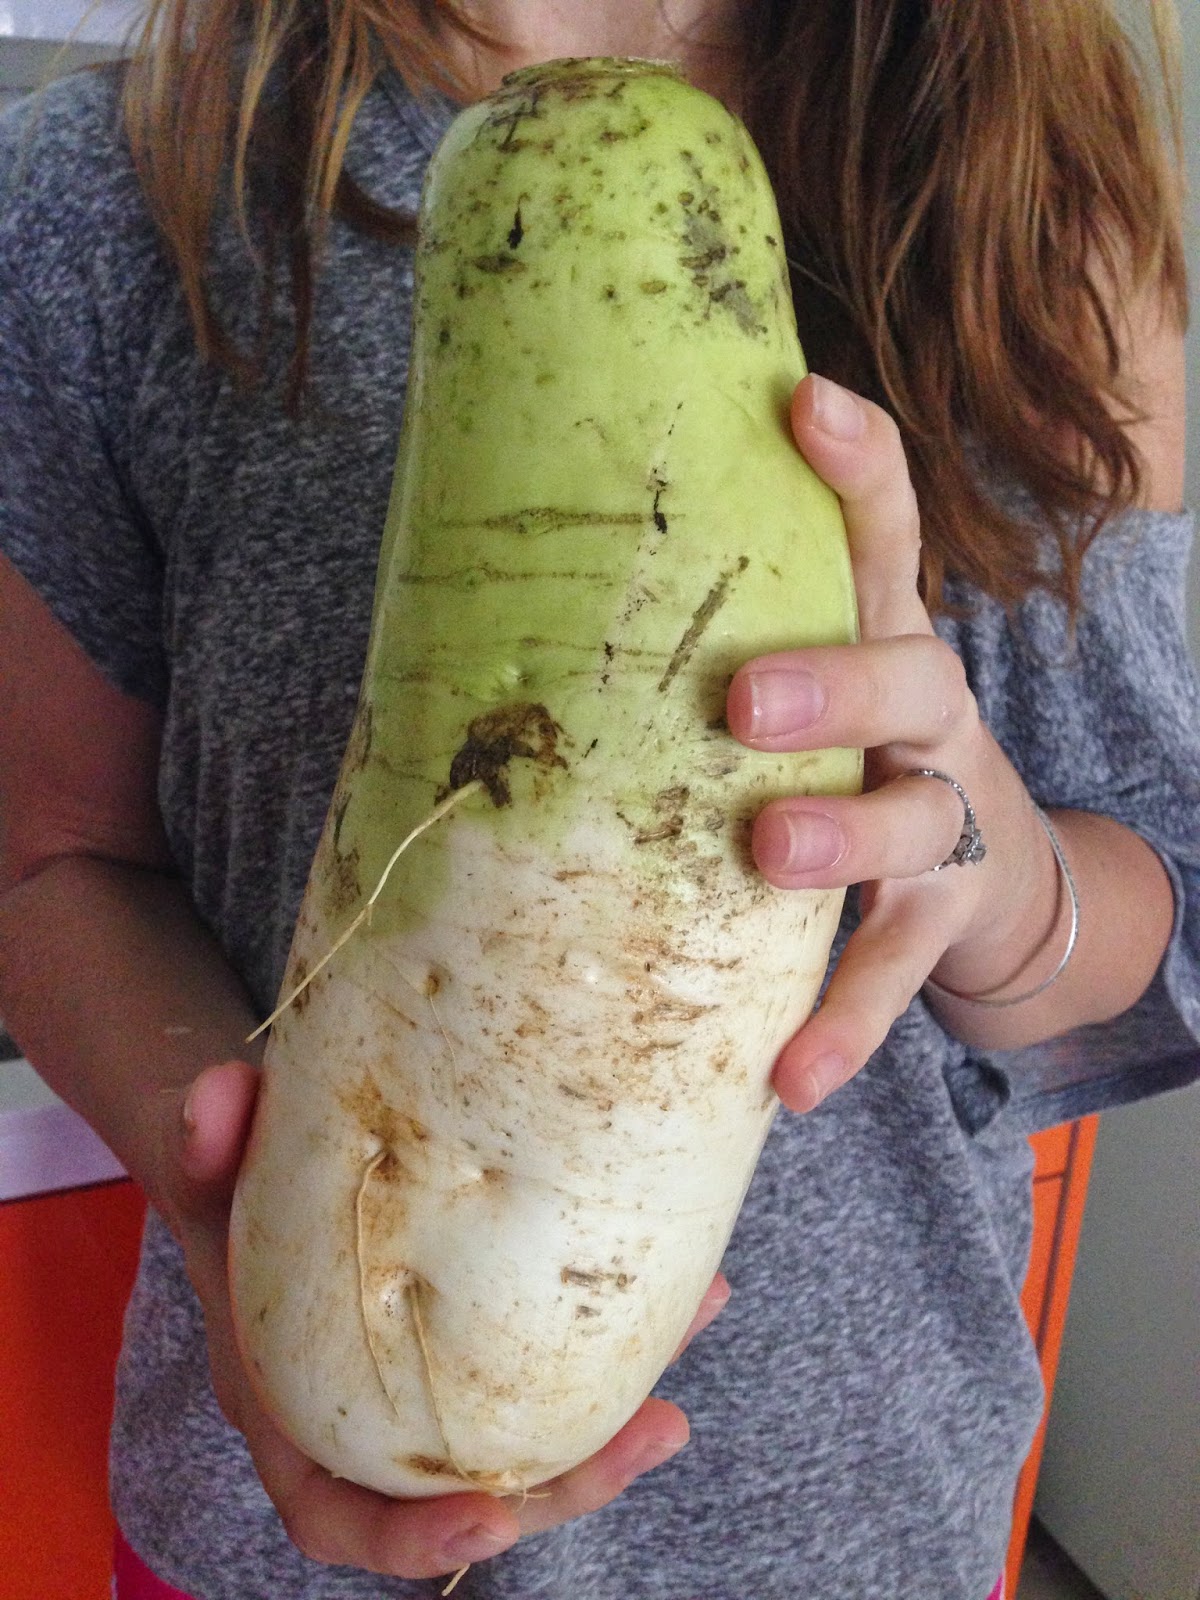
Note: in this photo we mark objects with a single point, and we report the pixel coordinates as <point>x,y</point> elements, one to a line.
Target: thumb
<point>217,1114</point>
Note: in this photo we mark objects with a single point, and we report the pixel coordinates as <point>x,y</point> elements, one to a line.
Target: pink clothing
<point>133,1580</point>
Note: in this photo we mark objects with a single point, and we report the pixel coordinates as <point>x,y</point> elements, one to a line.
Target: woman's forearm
<point>118,995</point>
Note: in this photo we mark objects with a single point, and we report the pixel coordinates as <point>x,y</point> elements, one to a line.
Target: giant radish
<point>505,1128</point>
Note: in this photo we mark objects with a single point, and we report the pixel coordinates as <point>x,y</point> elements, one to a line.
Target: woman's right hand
<point>328,1518</point>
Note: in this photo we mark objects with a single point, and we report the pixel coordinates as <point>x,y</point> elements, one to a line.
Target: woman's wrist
<point>1023,985</point>
<point>120,997</point>
<point>1126,911</point>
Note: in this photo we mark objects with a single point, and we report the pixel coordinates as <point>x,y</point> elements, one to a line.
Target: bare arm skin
<point>109,981</point>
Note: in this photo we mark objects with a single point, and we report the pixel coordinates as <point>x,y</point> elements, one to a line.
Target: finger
<point>716,1298</point>
<point>908,690</point>
<point>884,964</point>
<point>217,1114</point>
<point>900,830</point>
<point>656,1432</point>
<point>342,1524</point>
<point>855,446</point>
<point>202,1150</point>
<point>337,1522</point>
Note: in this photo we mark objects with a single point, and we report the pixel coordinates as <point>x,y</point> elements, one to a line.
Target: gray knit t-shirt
<point>861,1410</point>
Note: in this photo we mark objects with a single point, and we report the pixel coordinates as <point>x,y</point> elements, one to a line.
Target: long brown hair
<point>957,179</point>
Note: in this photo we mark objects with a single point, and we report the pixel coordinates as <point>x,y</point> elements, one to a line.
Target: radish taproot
<point>505,1131</point>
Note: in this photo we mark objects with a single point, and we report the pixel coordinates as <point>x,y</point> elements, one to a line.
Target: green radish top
<point>598,509</point>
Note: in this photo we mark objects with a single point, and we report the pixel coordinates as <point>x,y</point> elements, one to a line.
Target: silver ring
<point>970,846</point>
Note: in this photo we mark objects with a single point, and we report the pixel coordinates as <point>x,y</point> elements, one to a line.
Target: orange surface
<point>1047,1201</point>
<point>1052,1150</point>
<point>1058,1203</point>
<point>66,1267</point>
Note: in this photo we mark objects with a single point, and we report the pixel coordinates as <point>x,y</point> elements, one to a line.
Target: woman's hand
<point>331,1519</point>
<point>982,927</point>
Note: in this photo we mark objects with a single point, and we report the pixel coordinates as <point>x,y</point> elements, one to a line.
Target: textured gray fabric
<point>861,1410</point>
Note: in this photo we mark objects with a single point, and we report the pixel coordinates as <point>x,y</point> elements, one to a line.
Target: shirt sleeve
<point>1105,718</point>
<point>68,520</point>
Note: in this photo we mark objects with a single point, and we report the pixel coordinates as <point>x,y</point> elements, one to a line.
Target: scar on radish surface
<point>703,615</point>
<point>429,994</point>
<point>495,737</point>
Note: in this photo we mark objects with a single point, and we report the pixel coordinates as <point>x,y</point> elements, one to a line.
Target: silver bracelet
<point>1072,936</point>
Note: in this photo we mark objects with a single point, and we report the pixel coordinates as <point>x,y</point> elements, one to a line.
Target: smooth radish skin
<point>504,1133</point>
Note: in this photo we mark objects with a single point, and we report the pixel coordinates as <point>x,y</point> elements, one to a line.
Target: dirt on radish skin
<point>505,1131</point>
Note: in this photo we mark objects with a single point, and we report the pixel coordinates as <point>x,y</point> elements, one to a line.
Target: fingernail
<point>476,1544</point>
<point>825,1074</point>
<point>658,1451</point>
<point>836,411</point>
<point>784,702</point>
<point>791,841</point>
<point>720,1295</point>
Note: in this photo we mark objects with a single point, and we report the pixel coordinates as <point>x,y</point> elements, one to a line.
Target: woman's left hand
<point>902,695</point>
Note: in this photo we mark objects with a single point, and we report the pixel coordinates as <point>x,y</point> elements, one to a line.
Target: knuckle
<point>310,1542</point>
<point>592,1495</point>
<point>956,707</point>
<point>896,987</point>
<point>875,689</point>
<point>910,521</point>
<point>893,459</point>
<point>907,987</point>
<point>892,438</point>
<point>229,1401</point>
<point>885,909</point>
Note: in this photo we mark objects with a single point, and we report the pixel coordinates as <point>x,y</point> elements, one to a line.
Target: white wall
<point>85,21</point>
<point>1119,1486</point>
